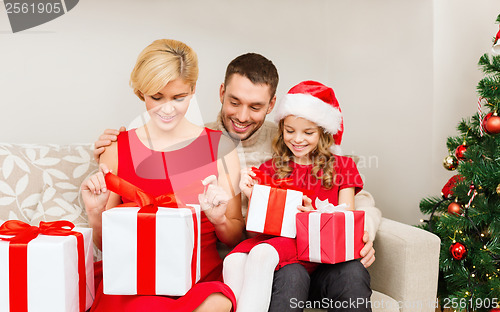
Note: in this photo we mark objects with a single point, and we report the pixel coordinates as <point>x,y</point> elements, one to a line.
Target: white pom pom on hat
<point>496,45</point>
<point>316,102</point>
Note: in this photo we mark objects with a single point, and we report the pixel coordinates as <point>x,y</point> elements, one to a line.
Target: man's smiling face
<point>244,106</point>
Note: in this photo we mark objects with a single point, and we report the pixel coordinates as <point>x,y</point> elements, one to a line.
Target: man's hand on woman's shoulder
<point>107,137</point>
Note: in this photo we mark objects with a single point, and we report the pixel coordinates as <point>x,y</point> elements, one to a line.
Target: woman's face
<point>169,105</point>
<point>301,136</point>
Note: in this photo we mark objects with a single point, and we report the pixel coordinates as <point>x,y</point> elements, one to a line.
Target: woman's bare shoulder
<point>110,157</point>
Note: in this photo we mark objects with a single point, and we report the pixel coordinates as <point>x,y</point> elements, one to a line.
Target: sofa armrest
<point>406,266</point>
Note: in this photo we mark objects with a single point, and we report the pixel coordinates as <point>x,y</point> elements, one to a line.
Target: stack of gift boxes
<point>152,247</point>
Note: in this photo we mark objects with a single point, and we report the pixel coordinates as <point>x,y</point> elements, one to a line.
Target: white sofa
<point>42,182</point>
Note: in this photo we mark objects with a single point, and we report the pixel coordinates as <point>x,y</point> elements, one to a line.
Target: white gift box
<point>272,211</point>
<point>175,241</point>
<point>52,270</point>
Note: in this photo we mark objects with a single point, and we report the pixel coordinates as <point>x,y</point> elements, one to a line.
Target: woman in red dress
<point>169,154</point>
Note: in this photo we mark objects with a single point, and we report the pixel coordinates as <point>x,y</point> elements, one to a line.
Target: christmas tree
<point>467,215</point>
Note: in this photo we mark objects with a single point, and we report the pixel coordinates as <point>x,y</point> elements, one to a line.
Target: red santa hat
<point>315,102</point>
<point>496,44</point>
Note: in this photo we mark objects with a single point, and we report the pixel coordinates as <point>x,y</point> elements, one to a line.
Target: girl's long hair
<point>322,158</point>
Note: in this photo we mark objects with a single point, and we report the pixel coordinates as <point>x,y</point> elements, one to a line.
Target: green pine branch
<point>489,88</point>
<point>477,275</point>
<point>490,66</point>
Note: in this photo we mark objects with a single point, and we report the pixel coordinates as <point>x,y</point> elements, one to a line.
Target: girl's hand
<point>247,182</point>
<point>307,204</point>
<point>94,192</point>
<point>214,201</point>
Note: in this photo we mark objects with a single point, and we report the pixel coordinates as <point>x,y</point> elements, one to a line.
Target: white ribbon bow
<point>314,226</point>
<point>323,206</point>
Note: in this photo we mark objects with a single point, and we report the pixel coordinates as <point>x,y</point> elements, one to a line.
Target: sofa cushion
<point>42,182</point>
<point>54,206</point>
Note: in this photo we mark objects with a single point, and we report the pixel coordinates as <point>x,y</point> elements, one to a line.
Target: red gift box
<point>330,237</point>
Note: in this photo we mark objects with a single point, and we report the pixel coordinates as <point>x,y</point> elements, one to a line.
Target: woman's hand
<point>214,201</point>
<point>307,204</point>
<point>94,192</point>
<point>247,182</point>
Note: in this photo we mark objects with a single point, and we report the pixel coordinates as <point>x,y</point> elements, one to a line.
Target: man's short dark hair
<point>255,67</point>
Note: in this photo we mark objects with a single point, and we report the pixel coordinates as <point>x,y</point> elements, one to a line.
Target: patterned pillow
<point>42,182</point>
<point>54,205</point>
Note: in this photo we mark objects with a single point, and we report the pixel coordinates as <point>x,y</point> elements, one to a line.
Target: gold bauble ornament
<point>450,162</point>
<point>498,189</point>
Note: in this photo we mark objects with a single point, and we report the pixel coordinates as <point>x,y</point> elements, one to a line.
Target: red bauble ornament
<point>455,208</point>
<point>491,123</point>
<point>447,190</point>
<point>459,152</point>
<point>458,251</point>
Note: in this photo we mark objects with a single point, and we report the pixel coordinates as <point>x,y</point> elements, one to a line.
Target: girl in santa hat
<point>306,150</point>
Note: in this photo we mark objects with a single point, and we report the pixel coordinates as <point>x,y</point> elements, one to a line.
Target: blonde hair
<point>160,62</point>
<point>322,158</point>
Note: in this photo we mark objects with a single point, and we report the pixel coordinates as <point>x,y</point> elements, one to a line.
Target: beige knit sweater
<point>252,151</point>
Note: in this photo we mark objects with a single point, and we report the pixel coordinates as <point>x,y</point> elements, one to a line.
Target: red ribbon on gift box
<point>23,233</point>
<point>286,183</point>
<point>277,198</point>
<point>146,229</point>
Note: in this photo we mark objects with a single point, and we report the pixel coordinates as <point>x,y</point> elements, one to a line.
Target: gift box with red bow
<point>48,268</point>
<point>273,205</point>
<point>330,236</point>
<point>151,246</point>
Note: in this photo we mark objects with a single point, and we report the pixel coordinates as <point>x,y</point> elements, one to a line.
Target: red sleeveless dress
<point>181,172</point>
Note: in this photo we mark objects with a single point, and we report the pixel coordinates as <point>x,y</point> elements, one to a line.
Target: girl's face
<point>301,136</point>
<point>169,105</point>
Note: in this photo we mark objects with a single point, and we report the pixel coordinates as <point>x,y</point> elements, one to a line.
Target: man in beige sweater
<point>248,95</point>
